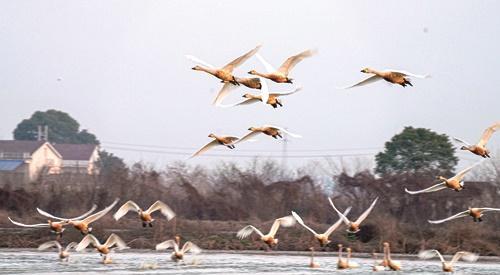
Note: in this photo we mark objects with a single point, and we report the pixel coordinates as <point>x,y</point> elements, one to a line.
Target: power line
<point>237,155</point>
<point>112,143</point>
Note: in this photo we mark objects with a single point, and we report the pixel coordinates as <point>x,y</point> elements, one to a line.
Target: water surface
<point>213,262</point>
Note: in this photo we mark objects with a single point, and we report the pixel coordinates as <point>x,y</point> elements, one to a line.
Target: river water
<point>219,262</point>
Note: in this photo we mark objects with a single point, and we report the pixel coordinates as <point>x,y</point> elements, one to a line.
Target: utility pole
<point>284,152</point>
<point>43,133</point>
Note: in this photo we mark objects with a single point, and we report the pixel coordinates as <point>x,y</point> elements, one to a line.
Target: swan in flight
<point>280,75</point>
<point>225,74</point>
<point>273,131</point>
<point>448,266</point>
<point>227,141</point>
<point>63,252</point>
<point>113,242</point>
<point>178,253</point>
<point>455,183</point>
<point>81,224</point>
<point>323,237</point>
<point>475,213</point>
<point>227,88</point>
<point>264,97</point>
<point>55,227</point>
<point>389,75</point>
<point>480,148</point>
<point>145,215</point>
<point>269,238</point>
<point>354,226</point>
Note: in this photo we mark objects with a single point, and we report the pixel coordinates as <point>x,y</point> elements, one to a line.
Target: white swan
<point>113,242</point>
<point>475,213</point>
<point>178,253</point>
<point>145,215</point>
<point>323,237</point>
<point>280,75</point>
<point>63,252</point>
<point>456,182</point>
<point>82,224</point>
<point>354,226</point>
<point>270,130</point>
<point>480,148</point>
<point>227,141</point>
<point>448,266</point>
<point>269,238</point>
<point>392,76</point>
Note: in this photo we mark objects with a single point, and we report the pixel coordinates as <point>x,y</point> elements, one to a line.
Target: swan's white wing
<point>284,221</point>
<point>48,215</point>
<point>94,207</point>
<point>486,209</point>
<point>100,214</point>
<point>223,93</point>
<point>461,141</point>
<point>434,188</point>
<point>427,254</point>
<point>269,68</point>
<point>28,225</point>
<point>199,61</point>
<point>190,247</point>
<point>301,222</point>
<point>456,216</point>
<point>129,205</point>
<point>366,213</point>
<point>334,227</point>
<point>487,134</point>
<point>205,148</point>
<point>50,244</point>
<point>248,137</point>
<point>460,175</point>
<point>342,216</point>
<point>363,82</point>
<point>264,91</point>
<point>247,230</point>
<point>284,131</point>
<point>286,93</point>
<point>288,65</point>
<point>167,244</point>
<point>113,239</point>
<point>70,245</point>
<point>88,239</point>
<point>165,209</point>
<point>464,255</point>
<point>408,73</point>
<point>240,60</point>
<point>243,102</point>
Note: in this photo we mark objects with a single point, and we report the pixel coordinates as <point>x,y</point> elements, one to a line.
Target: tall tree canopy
<point>62,128</point>
<point>416,150</point>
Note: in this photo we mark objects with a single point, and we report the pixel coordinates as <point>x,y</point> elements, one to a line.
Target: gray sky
<point>125,78</point>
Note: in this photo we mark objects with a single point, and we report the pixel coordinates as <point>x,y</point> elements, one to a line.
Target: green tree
<point>416,150</point>
<point>62,128</point>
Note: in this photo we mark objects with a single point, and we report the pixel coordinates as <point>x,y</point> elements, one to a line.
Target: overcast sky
<point>118,67</point>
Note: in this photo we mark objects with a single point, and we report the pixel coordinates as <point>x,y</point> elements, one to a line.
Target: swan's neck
<point>372,71</point>
<point>207,70</point>
<point>261,74</point>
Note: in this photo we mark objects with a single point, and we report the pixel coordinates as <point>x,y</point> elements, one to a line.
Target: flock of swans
<point>113,242</point>
<point>281,75</point>
<point>230,82</point>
